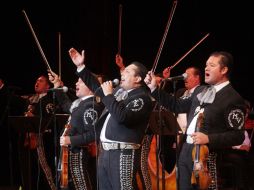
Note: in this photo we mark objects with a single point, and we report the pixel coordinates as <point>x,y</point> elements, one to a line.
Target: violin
<point>64,161</point>
<point>200,174</point>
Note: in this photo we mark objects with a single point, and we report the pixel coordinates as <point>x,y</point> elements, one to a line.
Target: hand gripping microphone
<point>115,83</point>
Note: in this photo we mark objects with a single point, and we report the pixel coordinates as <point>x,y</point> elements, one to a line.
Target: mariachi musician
<point>35,142</point>
<point>81,161</point>
<point>223,110</point>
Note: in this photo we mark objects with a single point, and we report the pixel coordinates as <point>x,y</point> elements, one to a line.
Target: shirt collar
<point>221,85</point>
<point>42,95</point>
<point>86,97</point>
<point>192,89</point>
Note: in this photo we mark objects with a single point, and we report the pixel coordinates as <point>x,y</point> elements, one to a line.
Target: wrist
<point>58,84</point>
<point>153,88</point>
<point>80,67</point>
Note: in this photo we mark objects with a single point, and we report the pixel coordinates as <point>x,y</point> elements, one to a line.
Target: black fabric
<point>223,122</point>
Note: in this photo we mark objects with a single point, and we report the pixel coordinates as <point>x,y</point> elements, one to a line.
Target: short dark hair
<point>47,80</point>
<point>141,69</point>
<point>226,60</point>
<point>197,72</point>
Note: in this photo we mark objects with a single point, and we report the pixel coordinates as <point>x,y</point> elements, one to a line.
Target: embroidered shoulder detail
<point>136,104</point>
<point>236,118</point>
<point>90,116</point>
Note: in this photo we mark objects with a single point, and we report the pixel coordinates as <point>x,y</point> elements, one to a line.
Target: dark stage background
<point>93,25</point>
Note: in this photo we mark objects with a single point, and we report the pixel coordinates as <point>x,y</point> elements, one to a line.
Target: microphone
<point>115,82</point>
<point>180,77</point>
<point>62,89</point>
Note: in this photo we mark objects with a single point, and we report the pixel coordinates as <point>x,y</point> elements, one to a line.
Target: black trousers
<point>117,169</point>
<point>185,167</point>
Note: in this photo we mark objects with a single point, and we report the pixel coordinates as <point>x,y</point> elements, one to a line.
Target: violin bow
<point>171,67</point>
<point>120,29</point>
<point>37,41</point>
<point>164,36</point>
<point>59,56</point>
